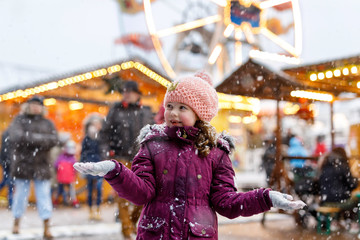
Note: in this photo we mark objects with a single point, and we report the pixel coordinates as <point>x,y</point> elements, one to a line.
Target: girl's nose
<point>173,113</point>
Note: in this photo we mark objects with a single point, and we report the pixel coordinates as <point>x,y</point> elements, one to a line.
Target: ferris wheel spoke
<point>273,57</point>
<point>215,53</point>
<point>246,27</point>
<point>280,42</point>
<point>272,3</point>
<point>188,26</point>
<point>238,46</point>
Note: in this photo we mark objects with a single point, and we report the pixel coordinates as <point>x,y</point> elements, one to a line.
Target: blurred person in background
<point>269,157</point>
<point>54,155</point>
<point>118,136</point>
<point>66,175</point>
<point>5,161</point>
<point>336,184</point>
<point>32,136</point>
<point>90,152</point>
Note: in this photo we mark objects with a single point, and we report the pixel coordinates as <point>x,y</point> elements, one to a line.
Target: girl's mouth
<point>175,123</point>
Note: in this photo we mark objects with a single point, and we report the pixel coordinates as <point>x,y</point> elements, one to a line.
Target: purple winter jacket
<point>181,191</point>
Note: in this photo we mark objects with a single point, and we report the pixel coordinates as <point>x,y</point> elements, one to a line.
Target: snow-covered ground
<point>70,223</point>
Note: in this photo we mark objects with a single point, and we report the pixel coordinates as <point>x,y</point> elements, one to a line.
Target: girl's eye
<point>168,106</point>
<point>183,107</point>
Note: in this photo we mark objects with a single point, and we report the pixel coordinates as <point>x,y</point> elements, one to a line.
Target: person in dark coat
<point>117,137</point>
<point>31,137</point>
<point>269,158</point>
<point>336,184</point>
<point>182,173</point>
<point>90,152</point>
<point>5,161</point>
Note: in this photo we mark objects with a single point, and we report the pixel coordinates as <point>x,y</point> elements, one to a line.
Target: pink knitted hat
<point>197,92</point>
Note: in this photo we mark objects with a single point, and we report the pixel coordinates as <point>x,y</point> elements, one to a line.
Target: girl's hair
<point>206,139</point>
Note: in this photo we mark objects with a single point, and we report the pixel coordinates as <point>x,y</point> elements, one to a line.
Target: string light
<point>345,71</point>
<point>326,97</point>
<point>84,77</point>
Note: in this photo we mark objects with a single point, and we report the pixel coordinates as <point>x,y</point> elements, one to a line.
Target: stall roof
<point>255,80</point>
<point>336,76</point>
<point>135,68</point>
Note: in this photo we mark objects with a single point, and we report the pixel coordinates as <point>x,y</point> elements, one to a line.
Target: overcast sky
<point>57,36</point>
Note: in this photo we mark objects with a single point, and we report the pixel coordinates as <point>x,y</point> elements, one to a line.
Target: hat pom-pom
<point>204,76</point>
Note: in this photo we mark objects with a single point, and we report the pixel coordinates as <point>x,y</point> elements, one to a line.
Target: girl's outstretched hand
<point>95,169</point>
<point>285,201</point>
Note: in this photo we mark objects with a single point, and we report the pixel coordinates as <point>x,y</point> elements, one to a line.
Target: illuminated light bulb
<point>61,83</point>
<point>354,70</point>
<point>337,73</point>
<point>250,119</point>
<point>117,68</point>
<point>313,77</point>
<point>345,71</point>
<point>49,101</point>
<point>75,105</point>
<point>329,74</point>
<point>321,76</point>
<point>358,84</point>
<point>235,119</point>
<point>52,85</point>
<point>88,75</point>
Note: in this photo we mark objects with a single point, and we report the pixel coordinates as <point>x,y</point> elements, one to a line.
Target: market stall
<point>255,80</point>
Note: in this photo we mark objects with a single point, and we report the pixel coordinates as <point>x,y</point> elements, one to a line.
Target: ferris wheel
<point>218,35</point>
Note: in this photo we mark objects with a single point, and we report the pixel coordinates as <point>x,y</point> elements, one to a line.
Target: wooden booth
<point>255,80</point>
<point>72,97</point>
<point>335,76</point>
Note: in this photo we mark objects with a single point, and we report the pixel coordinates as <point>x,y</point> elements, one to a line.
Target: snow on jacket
<point>181,192</point>
<point>31,138</point>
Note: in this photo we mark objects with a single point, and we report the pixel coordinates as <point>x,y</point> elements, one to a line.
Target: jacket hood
<point>224,140</point>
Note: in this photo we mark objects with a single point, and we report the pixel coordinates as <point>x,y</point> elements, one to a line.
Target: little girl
<point>66,175</point>
<point>182,173</point>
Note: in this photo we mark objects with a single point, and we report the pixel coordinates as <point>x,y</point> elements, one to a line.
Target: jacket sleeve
<point>46,139</point>
<point>138,184</point>
<point>227,201</point>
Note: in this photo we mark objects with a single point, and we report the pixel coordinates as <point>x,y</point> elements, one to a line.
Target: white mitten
<point>285,201</point>
<point>95,169</point>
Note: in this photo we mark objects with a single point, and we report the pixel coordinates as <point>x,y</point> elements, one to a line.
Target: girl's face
<point>179,115</point>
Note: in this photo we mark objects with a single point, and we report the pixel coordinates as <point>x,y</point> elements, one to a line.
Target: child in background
<point>182,173</point>
<point>90,152</point>
<point>65,174</point>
